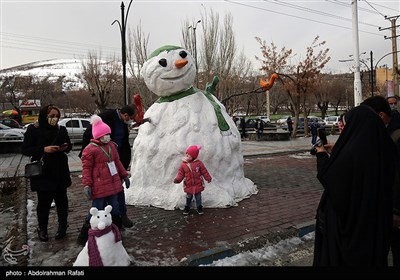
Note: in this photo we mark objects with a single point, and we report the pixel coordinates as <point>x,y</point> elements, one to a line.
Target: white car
<point>75,127</point>
<point>332,121</point>
<point>282,121</point>
<point>8,134</point>
<point>266,119</point>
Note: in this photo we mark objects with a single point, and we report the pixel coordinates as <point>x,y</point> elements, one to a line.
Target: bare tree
<point>10,90</point>
<point>300,79</point>
<point>101,79</point>
<point>218,56</point>
<point>136,57</point>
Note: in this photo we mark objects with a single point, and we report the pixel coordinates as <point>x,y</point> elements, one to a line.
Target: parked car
<point>264,118</point>
<point>75,127</point>
<point>332,121</point>
<point>251,123</point>
<point>8,134</point>
<point>10,123</point>
<point>282,121</point>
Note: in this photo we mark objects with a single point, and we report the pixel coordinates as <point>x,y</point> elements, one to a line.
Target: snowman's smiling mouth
<point>169,78</point>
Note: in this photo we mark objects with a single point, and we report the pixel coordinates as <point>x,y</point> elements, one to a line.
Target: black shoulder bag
<point>35,168</point>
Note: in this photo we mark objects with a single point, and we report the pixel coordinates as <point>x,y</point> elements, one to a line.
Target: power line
<point>41,39</point>
<point>309,10</point>
<point>46,45</point>
<point>294,16</point>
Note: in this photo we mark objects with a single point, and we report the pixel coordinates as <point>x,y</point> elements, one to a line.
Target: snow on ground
<point>267,255</point>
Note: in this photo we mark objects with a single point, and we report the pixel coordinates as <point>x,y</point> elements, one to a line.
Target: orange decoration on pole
<point>267,85</point>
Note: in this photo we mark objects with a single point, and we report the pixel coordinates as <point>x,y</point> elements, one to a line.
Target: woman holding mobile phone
<point>47,140</point>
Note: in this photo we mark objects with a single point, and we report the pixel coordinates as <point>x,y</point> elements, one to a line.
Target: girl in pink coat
<point>192,171</point>
<point>102,174</point>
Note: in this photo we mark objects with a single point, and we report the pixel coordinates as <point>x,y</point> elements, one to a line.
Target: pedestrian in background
<point>289,124</point>
<point>46,140</point>
<point>118,120</point>
<point>340,123</point>
<point>314,125</point>
<point>259,128</point>
<point>192,171</point>
<point>354,216</point>
<point>102,174</point>
<point>243,127</point>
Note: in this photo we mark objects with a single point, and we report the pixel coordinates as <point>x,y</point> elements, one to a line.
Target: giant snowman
<point>181,117</point>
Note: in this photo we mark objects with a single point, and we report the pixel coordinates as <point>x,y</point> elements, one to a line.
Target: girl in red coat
<point>192,171</point>
<point>102,174</point>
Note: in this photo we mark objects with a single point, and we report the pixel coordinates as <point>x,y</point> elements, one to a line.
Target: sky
<point>34,30</point>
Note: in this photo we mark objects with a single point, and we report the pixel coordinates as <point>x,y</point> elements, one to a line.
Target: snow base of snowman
<point>161,144</point>
<point>104,246</point>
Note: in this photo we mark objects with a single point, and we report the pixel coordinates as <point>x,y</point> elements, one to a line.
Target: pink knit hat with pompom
<point>99,128</point>
<point>193,151</point>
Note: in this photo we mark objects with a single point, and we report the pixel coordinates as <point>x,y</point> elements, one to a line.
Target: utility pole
<point>394,52</point>
<point>356,51</point>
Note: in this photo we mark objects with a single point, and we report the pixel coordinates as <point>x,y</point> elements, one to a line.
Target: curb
<point>219,253</point>
<point>276,153</point>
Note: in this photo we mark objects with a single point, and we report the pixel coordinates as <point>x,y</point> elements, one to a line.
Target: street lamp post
<point>371,75</point>
<point>195,48</point>
<point>122,28</point>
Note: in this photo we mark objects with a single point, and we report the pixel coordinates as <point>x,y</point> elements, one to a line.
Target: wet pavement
<point>285,206</point>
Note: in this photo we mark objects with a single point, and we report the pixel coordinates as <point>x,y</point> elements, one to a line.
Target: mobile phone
<point>63,145</point>
<point>322,136</point>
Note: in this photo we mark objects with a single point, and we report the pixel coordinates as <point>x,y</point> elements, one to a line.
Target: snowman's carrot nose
<point>180,63</point>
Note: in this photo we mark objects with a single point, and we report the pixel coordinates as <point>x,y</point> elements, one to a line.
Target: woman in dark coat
<point>48,140</point>
<point>354,216</point>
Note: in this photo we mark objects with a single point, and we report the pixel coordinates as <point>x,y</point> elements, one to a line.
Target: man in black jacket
<point>118,120</point>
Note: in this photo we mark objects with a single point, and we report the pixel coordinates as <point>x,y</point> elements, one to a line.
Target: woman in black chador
<point>47,140</point>
<point>354,216</point>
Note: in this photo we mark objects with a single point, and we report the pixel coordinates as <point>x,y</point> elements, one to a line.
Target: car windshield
<point>332,119</point>
<point>3,126</point>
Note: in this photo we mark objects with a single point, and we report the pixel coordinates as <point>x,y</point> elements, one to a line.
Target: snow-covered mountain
<point>67,69</point>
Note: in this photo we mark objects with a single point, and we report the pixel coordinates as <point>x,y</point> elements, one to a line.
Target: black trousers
<point>44,203</point>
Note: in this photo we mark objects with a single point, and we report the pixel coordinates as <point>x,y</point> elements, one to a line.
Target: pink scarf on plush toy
<point>93,251</point>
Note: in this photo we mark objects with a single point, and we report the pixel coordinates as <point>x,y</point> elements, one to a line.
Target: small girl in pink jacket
<point>102,171</point>
<point>192,171</point>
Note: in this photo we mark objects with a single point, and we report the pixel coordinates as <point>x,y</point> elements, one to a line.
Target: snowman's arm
<point>211,87</point>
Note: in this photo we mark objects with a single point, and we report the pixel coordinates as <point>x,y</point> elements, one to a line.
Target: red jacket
<point>193,182</point>
<point>95,171</point>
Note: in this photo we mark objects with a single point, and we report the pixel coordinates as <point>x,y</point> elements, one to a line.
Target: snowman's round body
<point>112,253</point>
<point>178,121</point>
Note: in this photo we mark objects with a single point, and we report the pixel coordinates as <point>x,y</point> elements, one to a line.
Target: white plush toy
<point>184,116</point>
<point>104,246</point>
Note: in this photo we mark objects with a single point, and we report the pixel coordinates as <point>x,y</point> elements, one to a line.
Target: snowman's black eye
<point>163,62</point>
<point>183,54</point>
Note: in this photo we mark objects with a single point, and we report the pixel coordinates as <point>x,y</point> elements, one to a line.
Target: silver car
<point>75,127</point>
<point>8,134</point>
